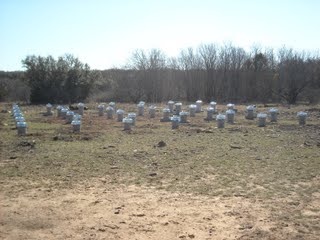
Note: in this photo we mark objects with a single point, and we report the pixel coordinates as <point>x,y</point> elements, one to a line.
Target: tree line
<point>208,72</point>
<point>12,87</point>
<point>222,73</point>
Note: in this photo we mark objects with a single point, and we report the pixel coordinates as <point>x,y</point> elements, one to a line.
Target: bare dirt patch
<point>98,210</point>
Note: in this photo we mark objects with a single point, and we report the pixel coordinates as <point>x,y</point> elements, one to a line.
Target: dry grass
<point>275,168</point>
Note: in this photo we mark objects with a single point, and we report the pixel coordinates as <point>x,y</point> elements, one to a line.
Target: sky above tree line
<point>104,33</point>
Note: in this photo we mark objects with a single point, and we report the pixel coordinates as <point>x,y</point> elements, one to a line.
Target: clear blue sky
<point>103,33</point>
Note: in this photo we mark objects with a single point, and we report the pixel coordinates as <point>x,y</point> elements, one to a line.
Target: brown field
<point>240,182</point>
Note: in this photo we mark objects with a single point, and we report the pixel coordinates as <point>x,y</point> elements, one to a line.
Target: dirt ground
<point>100,211</point>
<point>241,182</point>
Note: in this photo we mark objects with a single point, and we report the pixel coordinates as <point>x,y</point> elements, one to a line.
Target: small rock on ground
<point>161,144</point>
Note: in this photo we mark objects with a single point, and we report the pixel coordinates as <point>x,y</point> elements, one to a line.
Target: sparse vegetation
<point>273,171</point>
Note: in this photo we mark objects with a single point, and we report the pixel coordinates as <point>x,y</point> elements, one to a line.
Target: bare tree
<point>209,54</point>
<point>293,75</point>
<point>149,68</point>
<point>190,62</point>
